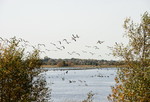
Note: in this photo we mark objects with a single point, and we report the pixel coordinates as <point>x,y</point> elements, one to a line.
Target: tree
<point>20,79</point>
<point>133,81</point>
<point>61,64</point>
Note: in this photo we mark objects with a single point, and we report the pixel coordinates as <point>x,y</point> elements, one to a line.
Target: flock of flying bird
<point>59,45</point>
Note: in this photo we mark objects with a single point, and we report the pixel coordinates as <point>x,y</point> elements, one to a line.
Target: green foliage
<point>133,81</point>
<point>19,73</point>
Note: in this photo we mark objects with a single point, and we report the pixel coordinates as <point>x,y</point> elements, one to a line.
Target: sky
<point>49,21</point>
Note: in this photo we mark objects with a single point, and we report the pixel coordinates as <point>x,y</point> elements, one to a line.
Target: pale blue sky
<point>45,21</point>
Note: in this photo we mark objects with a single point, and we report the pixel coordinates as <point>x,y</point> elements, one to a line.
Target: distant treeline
<point>75,61</point>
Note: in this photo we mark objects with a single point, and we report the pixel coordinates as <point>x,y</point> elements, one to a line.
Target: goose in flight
<point>63,47</point>
<point>75,36</point>
<point>91,53</point>
<point>1,38</point>
<point>100,42</point>
<point>47,49</point>
<point>41,45</point>
<point>59,42</point>
<point>58,48</point>
<point>52,50</point>
<point>53,44</point>
<point>69,53</point>
<point>73,39</point>
<point>66,41</point>
<point>96,47</point>
<point>77,54</point>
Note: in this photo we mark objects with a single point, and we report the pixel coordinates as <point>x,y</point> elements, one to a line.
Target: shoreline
<point>82,66</point>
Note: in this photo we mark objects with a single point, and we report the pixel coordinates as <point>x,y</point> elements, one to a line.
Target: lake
<point>73,85</point>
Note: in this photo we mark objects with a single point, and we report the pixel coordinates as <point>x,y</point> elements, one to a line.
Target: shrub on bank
<point>133,81</point>
<point>19,73</point>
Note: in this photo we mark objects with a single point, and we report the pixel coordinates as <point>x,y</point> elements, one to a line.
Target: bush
<point>19,73</point>
<point>133,81</point>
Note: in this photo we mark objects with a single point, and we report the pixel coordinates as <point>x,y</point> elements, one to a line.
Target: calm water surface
<point>73,85</point>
